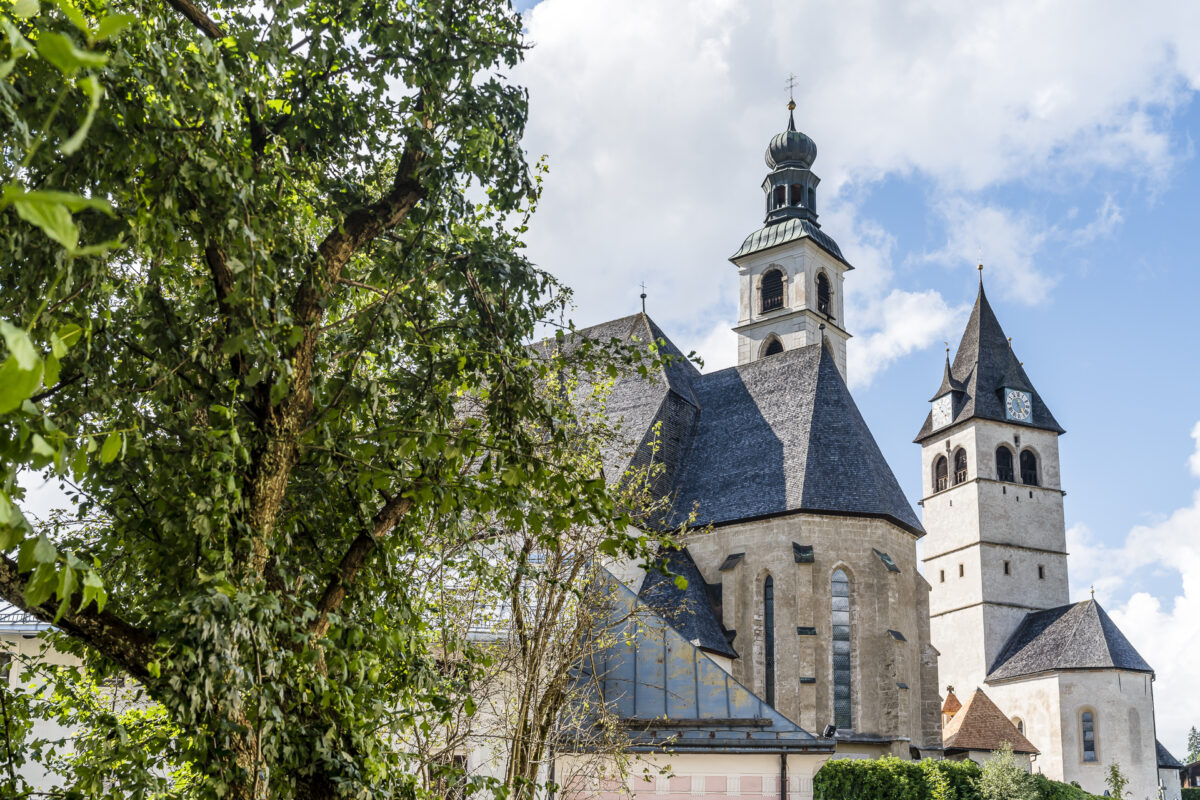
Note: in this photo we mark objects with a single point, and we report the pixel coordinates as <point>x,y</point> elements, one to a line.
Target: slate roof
<point>984,364</point>
<point>789,230</point>
<point>1165,759</point>
<point>1079,636</point>
<point>777,435</point>
<point>688,610</point>
<point>981,725</point>
<point>670,696</point>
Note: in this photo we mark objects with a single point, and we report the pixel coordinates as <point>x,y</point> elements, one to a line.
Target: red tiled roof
<point>981,725</point>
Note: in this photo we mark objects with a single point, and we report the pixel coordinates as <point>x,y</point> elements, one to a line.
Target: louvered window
<point>772,290</point>
<point>842,700</point>
<point>1029,470</point>
<point>960,466</point>
<point>1004,464</point>
<point>824,295</point>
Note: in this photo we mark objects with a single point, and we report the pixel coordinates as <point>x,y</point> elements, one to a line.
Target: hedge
<point>1188,794</point>
<point>889,778</point>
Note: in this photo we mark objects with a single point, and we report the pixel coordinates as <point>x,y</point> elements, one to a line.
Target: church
<point>805,605</point>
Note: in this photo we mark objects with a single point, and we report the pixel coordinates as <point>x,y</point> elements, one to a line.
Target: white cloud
<point>907,321</point>
<point>1107,218</point>
<point>655,116</point>
<point>1163,630</point>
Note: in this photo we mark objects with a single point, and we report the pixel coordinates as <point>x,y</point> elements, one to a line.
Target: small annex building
<point>1170,773</point>
<point>979,728</point>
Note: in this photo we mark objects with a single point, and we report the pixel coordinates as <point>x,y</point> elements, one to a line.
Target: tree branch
<point>355,556</point>
<point>198,18</point>
<point>130,647</point>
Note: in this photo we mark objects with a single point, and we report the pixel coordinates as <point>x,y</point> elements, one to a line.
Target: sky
<point>1056,141</point>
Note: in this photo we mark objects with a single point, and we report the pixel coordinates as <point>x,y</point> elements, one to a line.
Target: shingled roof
<point>689,610</point>
<point>1079,636</point>
<point>777,435</point>
<point>983,366</point>
<point>1164,757</point>
<point>982,726</point>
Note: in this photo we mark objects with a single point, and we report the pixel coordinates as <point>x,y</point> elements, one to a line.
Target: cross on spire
<point>643,297</point>
<point>791,85</point>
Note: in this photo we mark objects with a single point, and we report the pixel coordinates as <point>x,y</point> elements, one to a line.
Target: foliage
<point>890,778</point>
<point>1191,794</point>
<point>254,324</point>
<point>1116,781</point>
<point>1193,746</point>
<point>1003,778</point>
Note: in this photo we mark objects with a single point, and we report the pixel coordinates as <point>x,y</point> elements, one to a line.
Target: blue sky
<point>1059,140</point>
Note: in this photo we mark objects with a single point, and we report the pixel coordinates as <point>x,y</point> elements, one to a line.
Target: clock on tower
<point>1018,405</point>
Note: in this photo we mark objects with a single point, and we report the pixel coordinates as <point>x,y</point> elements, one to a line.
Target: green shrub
<point>892,779</point>
<point>1191,794</point>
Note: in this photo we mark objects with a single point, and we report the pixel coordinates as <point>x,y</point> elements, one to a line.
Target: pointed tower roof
<point>949,382</point>
<point>1079,636</point>
<point>981,725</point>
<point>952,704</point>
<point>688,610</point>
<point>984,365</point>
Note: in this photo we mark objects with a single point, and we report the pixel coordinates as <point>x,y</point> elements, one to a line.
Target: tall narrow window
<point>824,295</point>
<point>769,639</point>
<point>1004,464</point>
<point>960,466</point>
<point>940,480</point>
<point>772,290</point>
<point>1088,724</point>
<point>797,192</point>
<point>1019,724</point>
<point>780,196</point>
<point>1029,472</point>
<point>842,716</point>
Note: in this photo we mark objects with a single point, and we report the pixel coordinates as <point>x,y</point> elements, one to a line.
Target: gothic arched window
<point>940,481</point>
<point>960,466</point>
<point>842,702</point>
<point>771,290</point>
<point>1087,723</point>
<point>774,347</point>
<point>824,295</point>
<point>780,196</point>
<point>769,640</point>
<point>1004,464</point>
<point>1029,470</point>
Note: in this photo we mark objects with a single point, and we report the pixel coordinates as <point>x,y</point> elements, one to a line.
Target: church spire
<point>791,186</point>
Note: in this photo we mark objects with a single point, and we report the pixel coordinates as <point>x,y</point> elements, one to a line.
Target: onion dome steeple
<point>791,186</point>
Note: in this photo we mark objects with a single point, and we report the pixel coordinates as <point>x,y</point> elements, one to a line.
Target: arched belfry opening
<point>773,347</point>
<point>771,290</point>
<point>824,295</point>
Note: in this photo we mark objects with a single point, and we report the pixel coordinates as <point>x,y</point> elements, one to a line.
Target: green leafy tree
<point>1002,778</point>
<point>1116,781</point>
<point>255,323</point>
<point>1193,745</point>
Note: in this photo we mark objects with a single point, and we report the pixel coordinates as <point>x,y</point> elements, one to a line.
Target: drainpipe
<point>783,791</point>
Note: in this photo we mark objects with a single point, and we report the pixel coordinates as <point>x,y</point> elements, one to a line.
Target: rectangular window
<point>1007,570</point>
<point>1041,572</point>
<point>1088,723</point>
<point>942,575</point>
<point>961,572</point>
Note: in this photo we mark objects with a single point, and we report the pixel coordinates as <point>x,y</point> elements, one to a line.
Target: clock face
<point>942,411</point>
<point>1018,405</point>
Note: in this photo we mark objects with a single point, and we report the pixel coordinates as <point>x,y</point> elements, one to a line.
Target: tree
<point>1193,745</point>
<point>255,325</point>
<point>1003,779</point>
<point>1116,781</point>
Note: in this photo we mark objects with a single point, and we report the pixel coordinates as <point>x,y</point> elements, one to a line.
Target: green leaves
<point>21,372</point>
<point>59,50</point>
<point>111,448</point>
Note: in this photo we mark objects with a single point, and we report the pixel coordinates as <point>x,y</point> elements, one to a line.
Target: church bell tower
<point>995,547</point>
<point>790,272</point>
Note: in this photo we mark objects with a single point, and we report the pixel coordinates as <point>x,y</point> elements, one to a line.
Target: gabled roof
<point>952,704</point>
<point>981,725</point>
<point>670,696</point>
<point>1079,636</point>
<point>983,366</point>
<point>777,435</point>
<point>1164,757</point>
<point>688,610</point>
<point>789,230</point>
<point>783,434</point>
